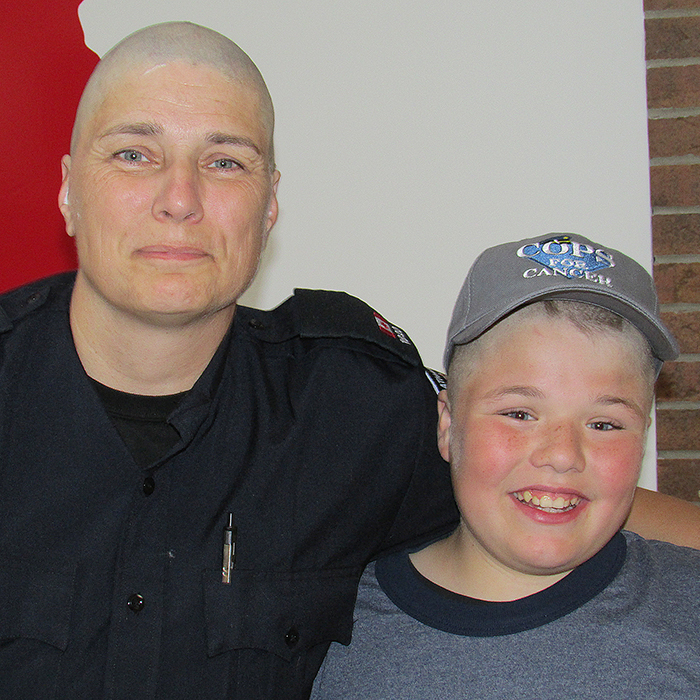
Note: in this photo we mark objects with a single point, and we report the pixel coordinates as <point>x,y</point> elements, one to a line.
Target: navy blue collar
<point>450,612</point>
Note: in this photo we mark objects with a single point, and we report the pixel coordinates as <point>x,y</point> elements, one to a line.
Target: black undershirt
<point>141,421</point>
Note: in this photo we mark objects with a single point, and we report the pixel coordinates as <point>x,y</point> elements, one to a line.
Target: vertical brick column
<point>673,88</point>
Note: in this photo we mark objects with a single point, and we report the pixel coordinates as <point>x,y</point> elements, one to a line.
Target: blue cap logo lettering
<point>565,256</point>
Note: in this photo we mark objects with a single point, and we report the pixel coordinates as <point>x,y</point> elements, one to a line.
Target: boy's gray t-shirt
<point>632,631</point>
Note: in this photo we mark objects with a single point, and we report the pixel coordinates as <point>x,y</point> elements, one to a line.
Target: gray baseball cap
<point>557,266</point>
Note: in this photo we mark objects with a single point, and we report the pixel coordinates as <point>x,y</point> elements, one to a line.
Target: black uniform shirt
<point>314,425</point>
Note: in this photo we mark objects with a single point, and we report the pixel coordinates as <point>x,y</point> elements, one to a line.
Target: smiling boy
<point>553,350</point>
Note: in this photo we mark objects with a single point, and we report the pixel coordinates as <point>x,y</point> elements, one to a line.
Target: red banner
<point>45,64</point>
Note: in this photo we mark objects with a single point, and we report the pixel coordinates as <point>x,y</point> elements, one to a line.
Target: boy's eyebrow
<point>530,392</point>
<point>608,400</point>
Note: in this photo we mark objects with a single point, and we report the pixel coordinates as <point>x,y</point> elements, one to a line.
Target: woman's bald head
<point>164,43</point>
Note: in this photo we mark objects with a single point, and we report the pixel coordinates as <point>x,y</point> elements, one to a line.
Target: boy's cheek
<point>617,468</point>
<point>486,451</point>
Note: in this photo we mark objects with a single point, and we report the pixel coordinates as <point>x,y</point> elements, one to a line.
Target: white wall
<point>410,135</point>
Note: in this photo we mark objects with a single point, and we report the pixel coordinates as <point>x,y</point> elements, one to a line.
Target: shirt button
<point>135,603</point>
<point>292,637</point>
<point>256,324</point>
<point>149,485</point>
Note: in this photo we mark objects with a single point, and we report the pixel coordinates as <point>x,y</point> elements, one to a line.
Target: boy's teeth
<point>546,502</point>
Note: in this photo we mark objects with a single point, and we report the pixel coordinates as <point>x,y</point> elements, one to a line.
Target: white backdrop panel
<point>410,135</point>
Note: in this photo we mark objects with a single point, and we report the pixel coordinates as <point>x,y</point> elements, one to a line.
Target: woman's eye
<point>225,164</point>
<point>131,156</point>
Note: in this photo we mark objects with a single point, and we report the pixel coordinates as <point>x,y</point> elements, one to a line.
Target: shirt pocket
<point>35,615</point>
<point>282,613</point>
<point>36,603</point>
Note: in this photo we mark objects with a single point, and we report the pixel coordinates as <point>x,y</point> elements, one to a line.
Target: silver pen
<point>229,557</point>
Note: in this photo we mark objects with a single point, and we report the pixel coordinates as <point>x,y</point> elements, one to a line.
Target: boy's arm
<point>657,516</point>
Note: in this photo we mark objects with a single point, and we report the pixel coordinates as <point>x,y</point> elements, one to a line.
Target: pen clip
<point>229,550</point>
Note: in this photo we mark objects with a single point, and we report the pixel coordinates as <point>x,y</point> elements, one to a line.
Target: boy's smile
<point>545,438</point>
<point>557,502</point>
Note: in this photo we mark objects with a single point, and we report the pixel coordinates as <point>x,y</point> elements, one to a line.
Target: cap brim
<point>662,342</point>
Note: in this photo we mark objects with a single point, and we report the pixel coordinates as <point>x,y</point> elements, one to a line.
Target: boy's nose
<point>560,449</point>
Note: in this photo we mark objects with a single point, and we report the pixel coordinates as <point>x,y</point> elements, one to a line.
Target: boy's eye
<point>518,415</point>
<point>604,425</point>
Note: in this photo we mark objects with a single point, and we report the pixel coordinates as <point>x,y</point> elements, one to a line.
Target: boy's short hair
<point>587,318</point>
<point>560,266</point>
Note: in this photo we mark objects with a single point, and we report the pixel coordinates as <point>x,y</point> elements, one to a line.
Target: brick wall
<point>673,87</point>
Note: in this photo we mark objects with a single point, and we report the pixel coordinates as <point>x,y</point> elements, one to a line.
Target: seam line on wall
<point>666,211</point>
<point>668,14</point>
<point>680,307</point>
<point>670,259</point>
<point>673,62</point>
<point>678,454</point>
<point>673,112</point>
<point>688,159</point>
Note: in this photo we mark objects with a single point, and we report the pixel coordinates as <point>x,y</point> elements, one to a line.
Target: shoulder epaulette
<point>317,313</point>
<point>324,314</point>
<point>437,379</point>
<point>19,302</point>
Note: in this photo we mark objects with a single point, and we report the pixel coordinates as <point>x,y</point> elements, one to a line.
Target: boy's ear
<point>444,423</point>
